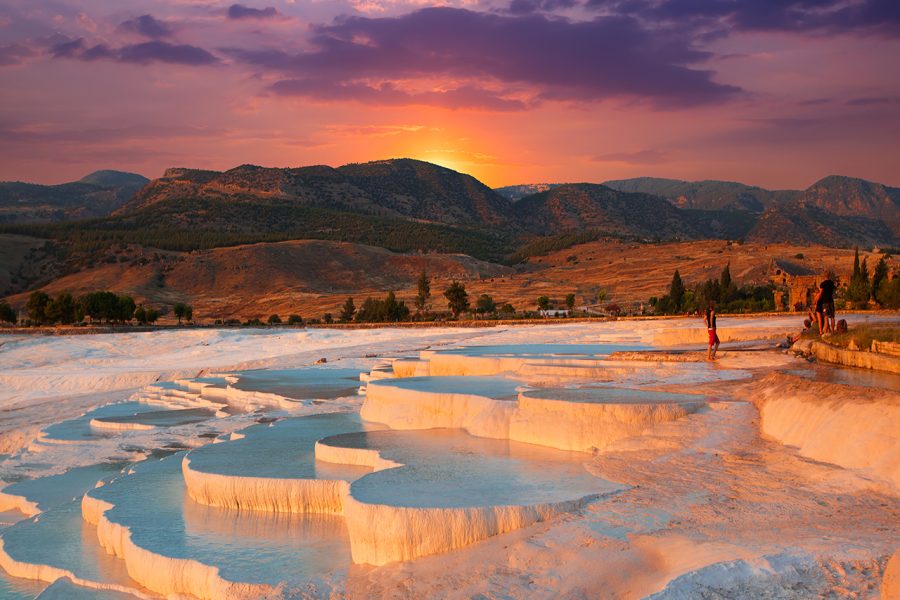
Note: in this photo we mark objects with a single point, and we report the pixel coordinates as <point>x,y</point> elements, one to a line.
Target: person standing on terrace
<point>711,329</point>
<point>825,307</point>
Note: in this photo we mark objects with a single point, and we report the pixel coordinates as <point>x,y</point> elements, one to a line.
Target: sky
<point>776,93</point>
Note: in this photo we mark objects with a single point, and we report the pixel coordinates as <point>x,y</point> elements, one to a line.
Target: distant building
<point>795,285</point>
<point>592,309</point>
<point>555,312</point>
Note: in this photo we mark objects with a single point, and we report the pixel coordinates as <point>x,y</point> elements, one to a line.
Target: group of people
<point>821,313</point>
<point>824,303</point>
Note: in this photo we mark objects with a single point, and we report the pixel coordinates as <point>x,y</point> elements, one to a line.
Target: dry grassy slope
<point>314,277</point>
<point>631,273</point>
<point>306,277</point>
<point>23,259</point>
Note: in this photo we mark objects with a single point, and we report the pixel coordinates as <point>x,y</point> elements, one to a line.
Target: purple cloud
<point>68,49</point>
<point>388,94</point>
<point>146,26</point>
<point>239,11</point>
<point>14,54</point>
<point>557,59</point>
<point>145,53</point>
<point>723,16</point>
<point>871,101</point>
<point>525,7</point>
<point>182,54</point>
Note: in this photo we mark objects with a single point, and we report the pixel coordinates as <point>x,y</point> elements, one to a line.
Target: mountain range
<point>405,205</point>
<point>254,239</point>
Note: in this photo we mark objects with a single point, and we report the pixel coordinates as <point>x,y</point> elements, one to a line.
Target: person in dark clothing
<point>825,307</point>
<point>711,329</point>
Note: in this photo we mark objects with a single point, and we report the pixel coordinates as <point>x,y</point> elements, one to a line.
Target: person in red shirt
<point>711,329</point>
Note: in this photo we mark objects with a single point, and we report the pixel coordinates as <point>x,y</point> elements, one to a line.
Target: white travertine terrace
<point>847,426</point>
<point>404,493</point>
<point>120,426</point>
<point>163,574</point>
<point>455,402</point>
<point>590,419</point>
<point>381,533</point>
<point>288,495</point>
<point>22,504</point>
<point>435,491</point>
<point>48,573</point>
<point>241,474</point>
<point>583,419</point>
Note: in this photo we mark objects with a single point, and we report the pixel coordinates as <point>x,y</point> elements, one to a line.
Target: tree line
<point>728,296</point>
<point>98,307</point>
<point>861,288</point>
<point>457,298</point>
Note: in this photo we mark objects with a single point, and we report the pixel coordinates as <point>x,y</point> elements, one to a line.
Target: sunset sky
<point>777,93</point>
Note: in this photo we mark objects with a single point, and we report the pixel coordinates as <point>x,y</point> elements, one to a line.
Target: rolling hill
<point>305,277</point>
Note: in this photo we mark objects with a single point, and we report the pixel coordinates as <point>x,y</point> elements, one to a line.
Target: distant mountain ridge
<point>836,210</point>
<point>706,195</point>
<point>95,195</point>
<point>407,205</point>
<point>400,188</point>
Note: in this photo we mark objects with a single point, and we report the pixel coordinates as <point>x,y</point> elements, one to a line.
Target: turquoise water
<point>545,350</point>
<point>500,388</point>
<point>282,449</point>
<point>63,589</point>
<point>248,546</point>
<point>79,428</point>
<point>612,395</point>
<point>301,384</point>
<point>54,490</point>
<point>163,418</point>
<point>450,468</point>
<point>13,588</point>
<point>61,538</point>
<point>850,376</point>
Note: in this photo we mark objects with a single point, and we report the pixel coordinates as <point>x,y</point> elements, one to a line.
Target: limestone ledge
<point>48,573</point>
<point>557,423</point>
<point>162,574</point>
<point>855,428</point>
<point>271,494</point>
<point>380,533</point>
<point>850,358</point>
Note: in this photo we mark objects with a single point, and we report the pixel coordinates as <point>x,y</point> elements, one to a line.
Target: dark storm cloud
<point>145,53</point>
<point>560,59</point>
<point>146,26</point>
<point>239,11</point>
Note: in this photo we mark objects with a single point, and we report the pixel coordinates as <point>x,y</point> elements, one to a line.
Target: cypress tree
<point>347,311</point>
<point>424,291</point>
<point>676,290</point>
<point>878,276</point>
